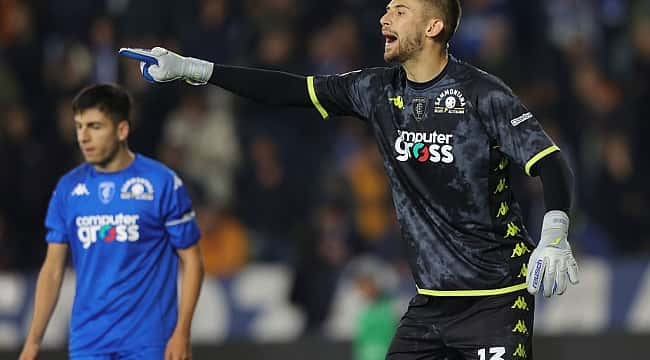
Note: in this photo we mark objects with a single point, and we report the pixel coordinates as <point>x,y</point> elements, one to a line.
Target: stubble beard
<point>110,156</point>
<point>407,48</point>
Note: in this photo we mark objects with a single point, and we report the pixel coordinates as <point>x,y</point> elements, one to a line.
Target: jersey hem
<point>490,292</point>
<point>314,98</point>
<point>137,348</point>
<point>540,155</point>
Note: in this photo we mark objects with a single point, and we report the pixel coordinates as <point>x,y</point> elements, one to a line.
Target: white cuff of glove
<point>555,224</point>
<point>197,71</point>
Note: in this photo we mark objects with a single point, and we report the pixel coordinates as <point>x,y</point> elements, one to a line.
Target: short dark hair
<point>110,99</point>
<point>451,11</point>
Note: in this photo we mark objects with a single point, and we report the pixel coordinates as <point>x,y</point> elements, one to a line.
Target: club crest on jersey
<point>420,107</point>
<point>106,191</point>
<point>137,189</point>
<point>450,101</point>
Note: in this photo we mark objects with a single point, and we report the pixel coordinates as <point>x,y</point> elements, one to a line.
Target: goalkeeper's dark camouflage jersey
<point>448,145</point>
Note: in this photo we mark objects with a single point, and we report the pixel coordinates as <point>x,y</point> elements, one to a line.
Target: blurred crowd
<point>282,185</point>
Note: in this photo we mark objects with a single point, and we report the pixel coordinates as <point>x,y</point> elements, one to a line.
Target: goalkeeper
<point>449,134</point>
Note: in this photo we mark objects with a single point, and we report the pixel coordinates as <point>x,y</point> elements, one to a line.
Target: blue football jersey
<point>122,229</point>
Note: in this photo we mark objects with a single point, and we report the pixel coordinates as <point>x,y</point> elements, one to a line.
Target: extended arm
<point>178,346</point>
<point>48,287</point>
<point>265,86</point>
<point>269,87</point>
<point>552,261</point>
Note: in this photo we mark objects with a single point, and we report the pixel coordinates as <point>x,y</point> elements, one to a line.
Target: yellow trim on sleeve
<point>540,155</point>
<point>314,98</point>
<point>501,291</point>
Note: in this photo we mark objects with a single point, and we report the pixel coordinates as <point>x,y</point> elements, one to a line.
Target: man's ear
<point>123,129</point>
<point>435,27</point>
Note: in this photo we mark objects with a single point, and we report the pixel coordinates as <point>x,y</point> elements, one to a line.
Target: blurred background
<point>300,241</point>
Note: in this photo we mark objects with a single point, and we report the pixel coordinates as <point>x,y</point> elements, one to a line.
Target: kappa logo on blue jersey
<point>80,190</point>
<point>106,191</point>
<point>137,188</point>
<point>177,182</point>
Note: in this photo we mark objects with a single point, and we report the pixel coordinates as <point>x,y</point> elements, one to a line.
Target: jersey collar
<point>94,172</point>
<point>425,85</point>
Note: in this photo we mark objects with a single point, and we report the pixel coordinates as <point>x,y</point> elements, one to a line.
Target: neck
<point>426,64</point>
<point>122,159</point>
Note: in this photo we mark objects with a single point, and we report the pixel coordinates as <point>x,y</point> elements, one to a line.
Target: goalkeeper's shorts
<point>482,328</point>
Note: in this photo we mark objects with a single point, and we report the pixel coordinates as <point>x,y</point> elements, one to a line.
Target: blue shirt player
<point>127,221</point>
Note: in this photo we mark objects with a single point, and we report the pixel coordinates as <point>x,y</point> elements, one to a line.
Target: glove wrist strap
<point>556,219</point>
<point>556,224</point>
<point>197,71</point>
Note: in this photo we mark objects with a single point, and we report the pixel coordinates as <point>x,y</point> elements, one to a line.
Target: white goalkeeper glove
<point>552,262</point>
<point>162,65</point>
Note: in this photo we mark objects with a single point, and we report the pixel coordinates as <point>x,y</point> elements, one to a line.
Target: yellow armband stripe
<point>314,98</point>
<point>540,155</point>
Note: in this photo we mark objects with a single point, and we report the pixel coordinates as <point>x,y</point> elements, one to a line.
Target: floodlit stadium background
<point>291,206</point>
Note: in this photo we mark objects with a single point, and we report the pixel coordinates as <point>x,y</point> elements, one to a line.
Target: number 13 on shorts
<point>495,353</point>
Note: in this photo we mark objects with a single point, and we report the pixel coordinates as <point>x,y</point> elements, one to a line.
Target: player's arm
<point>183,233</point>
<point>191,279</point>
<point>264,86</point>
<point>192,273</point>
<point>557,180</point>
<point>552,263</point>
<point>521,137</point>
<point>330,95</point>
<point>48,288</point>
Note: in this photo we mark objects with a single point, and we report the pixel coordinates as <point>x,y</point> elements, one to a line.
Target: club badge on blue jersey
<point>106,191</point>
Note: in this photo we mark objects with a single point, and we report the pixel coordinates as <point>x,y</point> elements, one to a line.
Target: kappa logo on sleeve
<point>178,183</point>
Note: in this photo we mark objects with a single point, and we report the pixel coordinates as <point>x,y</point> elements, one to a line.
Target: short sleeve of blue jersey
<point>178,215</point>
<point>54,220</point>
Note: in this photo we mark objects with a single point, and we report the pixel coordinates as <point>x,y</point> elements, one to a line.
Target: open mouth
<point>390,39</point>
